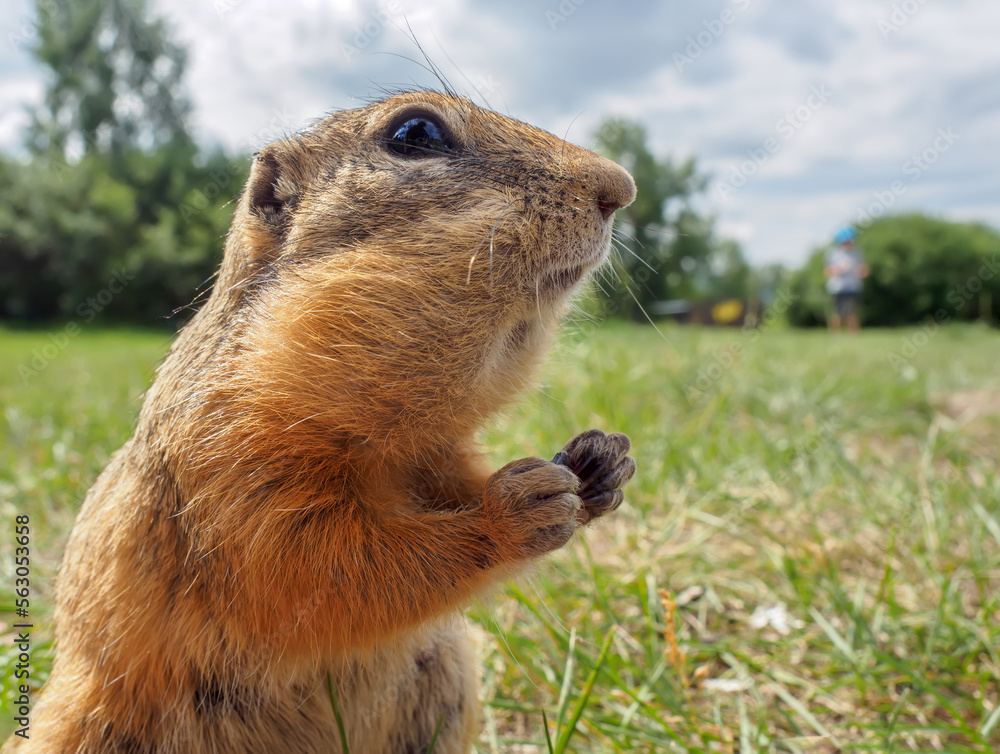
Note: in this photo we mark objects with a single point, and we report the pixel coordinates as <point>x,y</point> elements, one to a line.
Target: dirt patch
<point>976,416</point>
<point>968,404</point>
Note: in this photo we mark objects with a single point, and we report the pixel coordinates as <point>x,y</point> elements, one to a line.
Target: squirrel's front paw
<point>603,466</point>
<point>534,505</point>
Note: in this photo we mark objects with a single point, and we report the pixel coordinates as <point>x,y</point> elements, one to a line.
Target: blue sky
<point>807,114</point>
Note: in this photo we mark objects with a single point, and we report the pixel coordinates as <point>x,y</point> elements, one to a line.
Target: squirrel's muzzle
<point>615,188</point>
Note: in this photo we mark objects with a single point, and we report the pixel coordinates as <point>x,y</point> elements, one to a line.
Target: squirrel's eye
<point>420,136</point>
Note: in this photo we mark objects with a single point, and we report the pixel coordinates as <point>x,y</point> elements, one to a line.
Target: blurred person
<point>845,269</point>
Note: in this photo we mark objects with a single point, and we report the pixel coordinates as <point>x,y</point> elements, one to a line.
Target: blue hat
<point>845,235</point>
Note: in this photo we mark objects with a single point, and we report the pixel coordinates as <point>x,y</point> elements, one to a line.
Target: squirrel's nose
<point>616,189</point>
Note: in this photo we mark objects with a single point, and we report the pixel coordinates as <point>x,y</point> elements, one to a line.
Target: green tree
<point>114,81</point>
<point>664,247</point>
<point>921,267</point>
<point>117,205</point>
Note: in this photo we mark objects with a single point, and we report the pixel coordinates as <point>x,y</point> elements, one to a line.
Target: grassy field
<point>821,514</point>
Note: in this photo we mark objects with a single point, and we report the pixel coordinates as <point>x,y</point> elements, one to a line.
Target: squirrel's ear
<point>275,184</point>
<point>264,219</point>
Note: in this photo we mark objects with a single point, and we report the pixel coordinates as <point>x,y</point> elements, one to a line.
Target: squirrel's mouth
<point>559,281</point>
<point>565,270</point>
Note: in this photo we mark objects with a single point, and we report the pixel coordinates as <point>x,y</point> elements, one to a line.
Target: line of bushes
<point>920,268</point>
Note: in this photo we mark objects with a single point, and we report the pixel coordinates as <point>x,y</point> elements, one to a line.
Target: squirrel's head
<point>419,237</point>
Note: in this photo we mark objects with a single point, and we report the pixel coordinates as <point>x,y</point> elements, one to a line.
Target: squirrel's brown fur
<point>302,496</point>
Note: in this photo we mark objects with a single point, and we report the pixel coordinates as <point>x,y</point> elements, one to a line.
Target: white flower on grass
<point>727,685</point>
<point>775,616</point>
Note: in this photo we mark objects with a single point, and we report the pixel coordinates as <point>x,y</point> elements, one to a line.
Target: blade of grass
<point>800,708</point>
<point>987,519</point>
<point>434,738</point>
<point>548,737</point>
<point>581,703</point>
<point>336,713</point>
<point>838,641</point>
<point>746,746</point>
<point>988,726</point>
<point>567,682</point>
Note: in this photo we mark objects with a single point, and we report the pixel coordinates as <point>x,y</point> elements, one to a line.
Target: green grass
<point>801,470</point>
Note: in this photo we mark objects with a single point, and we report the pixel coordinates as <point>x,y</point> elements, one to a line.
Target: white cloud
<point>16,95</point>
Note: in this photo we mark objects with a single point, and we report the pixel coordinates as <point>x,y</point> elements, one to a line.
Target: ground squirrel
<point>302,497</point>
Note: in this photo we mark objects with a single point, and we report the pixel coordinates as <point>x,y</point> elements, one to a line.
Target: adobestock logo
<point>713,29</point>
<point>914,168</point>
<point>563,11</point>
<point>900,16</point>
<point>958,297</point>
<point>87,311</point>
<point>786,126</point>
<point>379,19</point>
